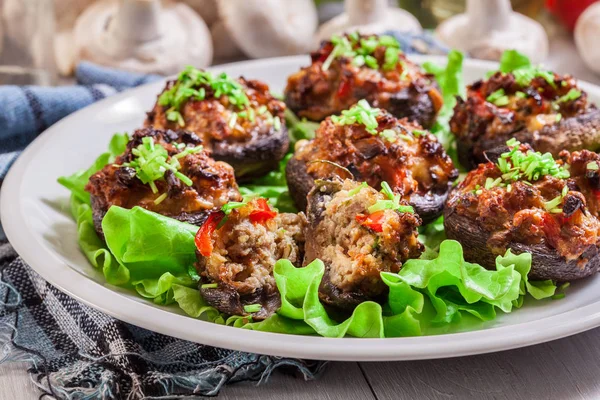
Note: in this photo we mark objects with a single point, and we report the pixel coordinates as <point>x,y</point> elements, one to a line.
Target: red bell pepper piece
<point>372,221</point>
<point>203,239</point>
<point>262,213</point>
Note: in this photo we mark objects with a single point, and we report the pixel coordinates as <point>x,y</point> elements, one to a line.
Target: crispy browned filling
<point>358,245</point>
<point>213,182</point>
<point>528,107</point>
<point>315,94</point>
<point>245,249</point>
<point>412,162</point>
<point>216,119</point>
<point>521,215</point>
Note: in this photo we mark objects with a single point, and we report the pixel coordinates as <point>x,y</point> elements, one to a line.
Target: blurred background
<point>41,41</point>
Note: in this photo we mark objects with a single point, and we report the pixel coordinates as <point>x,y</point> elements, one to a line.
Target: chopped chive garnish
<point>360,113</point>
<point>209,286</point>
<point>160,198</point>
<point>565,191</point>
<point>592,166</point>
<point>520,95</point>
<point>389,135</point>
<point>361,50</point>
<point>277,123</point>
<point>418,132</point>
<point>192,84</point>
<point>573,94</point>
<point>392,203</point>
<point>498,98</point>
<point>232,205</point>
<point>252,308</point>
<point>558,117</point>
<point>357,189</point>
<point>528,166</point>
<point>552,204</point>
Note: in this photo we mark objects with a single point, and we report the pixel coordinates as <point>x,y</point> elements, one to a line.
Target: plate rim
<point>104,299</point>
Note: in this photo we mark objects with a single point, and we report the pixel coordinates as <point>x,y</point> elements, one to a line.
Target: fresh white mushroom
<point>369,16</point>
<point>206,8</point>
<point>224,46</point>
<point>147,36</point>
<point>489,27</point>
<point>587,31</point>
<point>268,28</point>
<point>66,12</point>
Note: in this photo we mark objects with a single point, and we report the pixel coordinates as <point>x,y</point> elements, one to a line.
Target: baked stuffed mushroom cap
<point>238,120</point>
<point>353,67</point>
<point>546,110</point>
<point>375,148</point>
<point>526,202</point>
<point>358,233</point>
<point>166,172</point>
<point>237,248</point>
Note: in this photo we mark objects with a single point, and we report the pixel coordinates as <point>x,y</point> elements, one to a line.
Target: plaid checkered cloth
<point>77,352</point>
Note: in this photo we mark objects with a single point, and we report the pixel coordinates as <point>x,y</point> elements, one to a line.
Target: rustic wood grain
<point>563,369</point>
<point>340,381</point>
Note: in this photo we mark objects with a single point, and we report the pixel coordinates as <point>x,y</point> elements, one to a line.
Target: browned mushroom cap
<point>487,219</point>
<point>237,252</point>
<point>251,137</point>
<point>413,162</point>
<point>549,117</point>
<point>354,244</point>
<point>322,89</point>
<point>212,182</point>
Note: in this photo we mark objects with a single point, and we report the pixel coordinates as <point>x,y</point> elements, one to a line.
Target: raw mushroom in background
<point>490,27</point>
<point>143,36</point>
<point>66,12</point>
<point>369,17</point>
<point>270,28</point>
<point>223,44</point>
<point>207,9</point>
<point>587,31</point>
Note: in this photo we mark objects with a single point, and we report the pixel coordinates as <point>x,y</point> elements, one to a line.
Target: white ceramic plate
<point>34,211</point>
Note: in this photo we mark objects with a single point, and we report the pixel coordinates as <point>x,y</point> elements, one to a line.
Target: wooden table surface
<point>564,369</point>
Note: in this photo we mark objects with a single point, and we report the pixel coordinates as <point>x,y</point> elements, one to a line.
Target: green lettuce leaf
<point>451,82</point>
<point>190,301</point>
<point>160,289</point>
<point>149,244</point>
<point>76,182</point>
<point>512,60</point>
<point>93,247</point>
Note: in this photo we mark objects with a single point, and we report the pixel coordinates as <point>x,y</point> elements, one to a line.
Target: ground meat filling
<point>356,245</point>
<point>218,120</point>
<point>405,91</point>
<point>244,251</point>
<point>499,108</point>
<point>521,215</point>
<point>412,162</point>
<point>213,182</point>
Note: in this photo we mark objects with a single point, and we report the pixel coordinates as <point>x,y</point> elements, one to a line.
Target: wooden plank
<point>15,383</point>
<point>341,380</point>
<point>563,369</point>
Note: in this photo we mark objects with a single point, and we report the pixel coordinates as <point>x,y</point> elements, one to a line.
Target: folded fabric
<point>27,111</point>
<point>77,352</point>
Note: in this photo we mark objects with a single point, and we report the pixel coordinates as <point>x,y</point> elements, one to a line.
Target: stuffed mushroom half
<point>237,248</point>
<point>238,120</point>
<point>528,202</point>
<point>167,172</point>
<point>371,145</point>
<point>353,67</point>
<point>358,233</point>
<point>544,109</point>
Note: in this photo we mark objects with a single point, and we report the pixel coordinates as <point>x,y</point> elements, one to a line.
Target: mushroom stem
<point>137,21</point>
<point>488,15</point>
<point>362,12</point>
